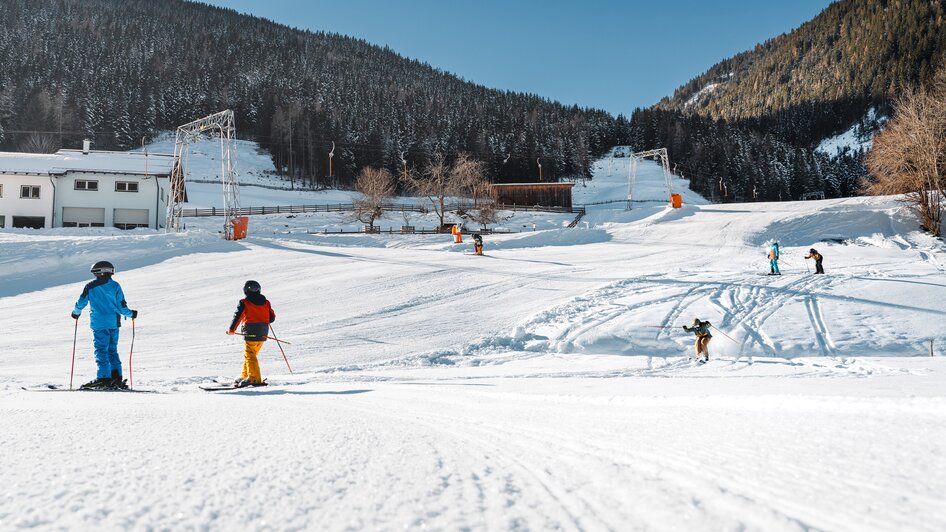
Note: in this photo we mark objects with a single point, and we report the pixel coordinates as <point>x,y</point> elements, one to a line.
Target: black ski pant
<point>818,267</point>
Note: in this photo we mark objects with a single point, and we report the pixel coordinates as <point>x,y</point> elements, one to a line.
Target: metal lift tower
<point>218,124</point>
<point>660,153</point>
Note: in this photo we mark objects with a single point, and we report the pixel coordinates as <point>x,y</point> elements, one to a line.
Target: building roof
<point>65,161</point>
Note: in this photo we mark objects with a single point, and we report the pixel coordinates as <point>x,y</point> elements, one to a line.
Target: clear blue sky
<point>610,54</point>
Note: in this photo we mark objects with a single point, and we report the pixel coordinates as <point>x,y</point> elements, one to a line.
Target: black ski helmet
<point>103,267</point>
<point>251,287</point>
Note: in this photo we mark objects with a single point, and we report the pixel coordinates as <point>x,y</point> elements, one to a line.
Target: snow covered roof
<point>65,161</point>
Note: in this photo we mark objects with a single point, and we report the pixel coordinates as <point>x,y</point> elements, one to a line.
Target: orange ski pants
<point>250,363</point>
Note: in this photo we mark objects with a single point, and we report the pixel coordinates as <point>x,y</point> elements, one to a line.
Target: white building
<point>84,188</point>
<point>26,193</point>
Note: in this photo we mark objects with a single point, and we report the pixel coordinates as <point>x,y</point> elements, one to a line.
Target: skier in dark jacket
<point>702,331</point>
<point>477,244</point>
<point>107,306</point>
<point>813,254</point>
<point>255,313</point>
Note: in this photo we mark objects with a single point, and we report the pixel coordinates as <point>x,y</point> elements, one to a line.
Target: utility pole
<point>330,155</point>
<point>292,174</point>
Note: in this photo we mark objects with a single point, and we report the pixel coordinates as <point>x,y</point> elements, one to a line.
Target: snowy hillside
<point>544,385</point>
<point>858,137</point>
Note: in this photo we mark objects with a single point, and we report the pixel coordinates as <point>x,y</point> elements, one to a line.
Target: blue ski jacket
<point>107,304</point>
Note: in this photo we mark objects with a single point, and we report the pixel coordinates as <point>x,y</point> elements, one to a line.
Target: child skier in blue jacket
<point>107,306</point>
<point>773,259</point>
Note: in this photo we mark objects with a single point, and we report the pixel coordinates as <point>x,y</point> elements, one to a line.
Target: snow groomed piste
<point>546,385</point>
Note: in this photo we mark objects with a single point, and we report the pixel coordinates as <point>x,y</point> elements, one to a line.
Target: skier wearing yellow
<point>255,313</point>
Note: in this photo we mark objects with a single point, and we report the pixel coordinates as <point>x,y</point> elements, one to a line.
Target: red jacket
<point>255,313</point>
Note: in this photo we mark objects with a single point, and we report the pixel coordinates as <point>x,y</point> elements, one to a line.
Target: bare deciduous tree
<point>485,213</point>
<point>435,184</point>
<point>39,143</point>
<point>909,156</point>
<point>376,185</point>
<point>467,174</point>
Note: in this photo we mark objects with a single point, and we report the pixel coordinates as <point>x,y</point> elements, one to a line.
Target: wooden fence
<point>346,207</point>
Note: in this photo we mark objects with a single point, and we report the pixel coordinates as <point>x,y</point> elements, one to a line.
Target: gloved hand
<point>230,333</point>
<point>134,314</point>
<point>74,316</point>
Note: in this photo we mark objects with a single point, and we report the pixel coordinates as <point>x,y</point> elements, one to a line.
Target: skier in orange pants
<point>255,313</point>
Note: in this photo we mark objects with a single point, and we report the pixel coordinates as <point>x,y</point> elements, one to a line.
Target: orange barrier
<point>676,201</point>
<point>240,225</point>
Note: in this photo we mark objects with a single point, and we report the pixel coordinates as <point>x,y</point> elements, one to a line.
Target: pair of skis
<point>219,386</point>
<point>58,388</point>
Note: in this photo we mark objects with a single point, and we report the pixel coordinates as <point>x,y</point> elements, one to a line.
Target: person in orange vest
<point>457,235</point>
<point>255,313</point>
<point>773,259</point>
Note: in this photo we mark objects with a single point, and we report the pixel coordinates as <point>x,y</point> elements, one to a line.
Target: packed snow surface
<point>545,385</point>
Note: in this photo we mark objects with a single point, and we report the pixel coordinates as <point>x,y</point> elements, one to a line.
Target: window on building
<point>86,185</point>
<point>29,192</point>
<point>82,224</point>
<point>126,186</point>
<point>1,190</point>
<point>3,222</point>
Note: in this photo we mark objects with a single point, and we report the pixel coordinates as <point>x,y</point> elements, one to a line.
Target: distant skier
<point>702,331</point>
<point>107,306</point>
<point>813,254</point>
<point>477,244</point>
<point>773,259</point>
<point>255,313</point>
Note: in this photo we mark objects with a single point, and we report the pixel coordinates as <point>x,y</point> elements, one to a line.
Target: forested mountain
<point>119,70</point>
<point>754,119</point>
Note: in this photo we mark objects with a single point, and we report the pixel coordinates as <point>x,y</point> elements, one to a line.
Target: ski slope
<point>545,385</point>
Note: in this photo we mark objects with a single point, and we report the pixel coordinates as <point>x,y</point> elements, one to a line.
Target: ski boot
<point>117,382</point>
<point>243,383</point>
<point>97,384</point>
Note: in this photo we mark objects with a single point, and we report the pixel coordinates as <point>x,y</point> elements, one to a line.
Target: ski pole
<point>266,337</point>
<point>73,368</point>
<point>281,349</point>
<point>806,266</point>
<point>724,334</point>
<point>131,351</point>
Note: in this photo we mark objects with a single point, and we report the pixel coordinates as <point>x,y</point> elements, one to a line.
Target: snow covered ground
<point>545,385</point>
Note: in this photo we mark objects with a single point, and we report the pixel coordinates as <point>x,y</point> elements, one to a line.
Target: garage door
<point>83,217</point>
<point>131,218</point>
<point>30,222</point>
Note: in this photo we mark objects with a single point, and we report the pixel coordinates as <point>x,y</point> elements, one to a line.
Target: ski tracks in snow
<point>607,320</point>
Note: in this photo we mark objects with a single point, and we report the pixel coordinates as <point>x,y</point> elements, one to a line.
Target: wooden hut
<point>532,194</point>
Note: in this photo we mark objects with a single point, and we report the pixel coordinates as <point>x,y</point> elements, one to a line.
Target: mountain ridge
<point>119,71</point>
<point>754,135</point>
